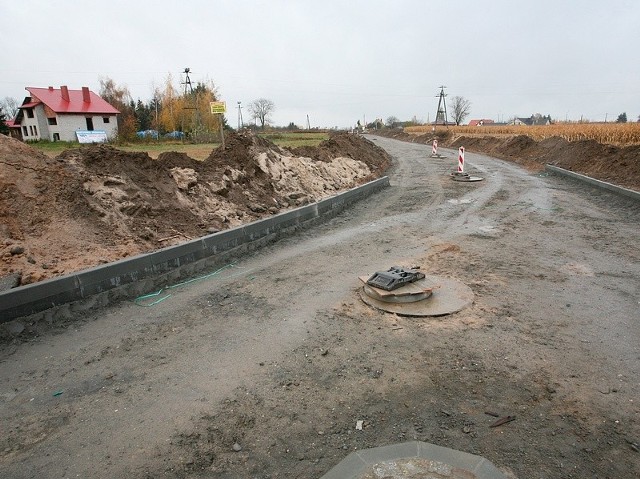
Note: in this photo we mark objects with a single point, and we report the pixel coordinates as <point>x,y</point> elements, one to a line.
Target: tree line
<point>171,109</point>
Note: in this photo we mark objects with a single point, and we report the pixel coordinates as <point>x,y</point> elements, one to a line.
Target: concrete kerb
<point>592,181</point>
<point>24,300</point>
<point>140,274</point>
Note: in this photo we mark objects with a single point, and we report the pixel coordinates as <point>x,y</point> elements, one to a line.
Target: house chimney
<point>86,97</point>
<point>50,88</point>
<point>64,92</point>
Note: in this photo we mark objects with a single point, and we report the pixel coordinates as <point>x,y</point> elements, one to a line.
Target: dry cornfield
<point>619,134</point>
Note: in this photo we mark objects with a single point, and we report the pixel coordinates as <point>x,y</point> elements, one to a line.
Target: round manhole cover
<point>447,296</point>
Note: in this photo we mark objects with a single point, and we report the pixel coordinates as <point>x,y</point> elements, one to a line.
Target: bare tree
<point>120,98</point>
<point>261,110</point>
<point>10,107</point>
<point>392,121</point>
<point>117,96</point>
<point>460,108</point>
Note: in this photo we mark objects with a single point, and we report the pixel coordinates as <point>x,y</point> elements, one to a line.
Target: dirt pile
<point>613,164</point>
<point>617,165</point>
<point>97,204</point>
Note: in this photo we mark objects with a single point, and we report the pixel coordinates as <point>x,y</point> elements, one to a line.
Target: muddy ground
<point>617,165</point>
<point>262,371</point>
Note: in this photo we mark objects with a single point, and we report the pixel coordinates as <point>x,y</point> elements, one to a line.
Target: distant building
<point>536,119</point>
<point>14,129</point>
<point>59,114</point>
<point>481,122</point>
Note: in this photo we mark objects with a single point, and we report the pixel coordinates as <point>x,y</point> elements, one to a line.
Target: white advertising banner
<point>94,136</point>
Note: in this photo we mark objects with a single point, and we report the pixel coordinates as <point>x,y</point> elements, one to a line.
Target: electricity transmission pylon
<point>191,105</point>
<point>441,114</point>
<point>188,87</point>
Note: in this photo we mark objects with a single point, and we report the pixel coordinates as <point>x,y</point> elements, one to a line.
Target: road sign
<point>218,107</point>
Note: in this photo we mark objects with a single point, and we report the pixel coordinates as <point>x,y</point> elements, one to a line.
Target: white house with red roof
<point>14,129</point>
<point>65,115</point>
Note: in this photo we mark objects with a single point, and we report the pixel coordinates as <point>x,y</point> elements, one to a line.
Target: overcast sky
<point>340,61</point>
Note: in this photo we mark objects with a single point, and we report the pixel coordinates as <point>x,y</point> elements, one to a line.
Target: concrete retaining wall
<point>132,277</point>
<point>592,181</point>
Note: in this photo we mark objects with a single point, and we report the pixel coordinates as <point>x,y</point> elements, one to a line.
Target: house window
<point>56,137</point>
<point>89,124</point>
<point>25,132</point>
<point>52,121</point>
<point>31,130</point>
<point>29,112</point>
<point>105,119</point>
<point>35,130</point>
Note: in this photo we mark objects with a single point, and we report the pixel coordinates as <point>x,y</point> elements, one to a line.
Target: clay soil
<point>98,204</point>
<point>264,370</point>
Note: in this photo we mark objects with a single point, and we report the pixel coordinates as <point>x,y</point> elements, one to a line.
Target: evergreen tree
<point>143,115</point>
<point>4,129</point>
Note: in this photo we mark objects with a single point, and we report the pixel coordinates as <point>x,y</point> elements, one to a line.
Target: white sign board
<point>94,136</point>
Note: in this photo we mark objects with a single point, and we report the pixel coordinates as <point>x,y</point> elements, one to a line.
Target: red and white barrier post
<point>461,160</point>
<point>434,148</point>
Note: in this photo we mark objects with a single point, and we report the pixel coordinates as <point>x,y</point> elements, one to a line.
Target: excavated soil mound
<point>617,165</point>
<point>97,204</point>
<point>347,146</point>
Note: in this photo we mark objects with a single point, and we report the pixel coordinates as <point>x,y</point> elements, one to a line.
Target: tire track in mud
<point>292,319</point>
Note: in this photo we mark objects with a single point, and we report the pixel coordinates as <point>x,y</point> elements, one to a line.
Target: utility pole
<point>155,101</point>
<point>240,121</point>
<point>441,114</point>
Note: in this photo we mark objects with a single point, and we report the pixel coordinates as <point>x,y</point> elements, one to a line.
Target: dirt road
<point>262,370</point>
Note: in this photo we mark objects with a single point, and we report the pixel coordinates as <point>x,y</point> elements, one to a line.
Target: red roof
<point>53,98</point>
<point>30,104</point>
<point>11,124</point>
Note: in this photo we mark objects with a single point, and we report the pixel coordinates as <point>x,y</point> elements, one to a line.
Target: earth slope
<point>98,204</point>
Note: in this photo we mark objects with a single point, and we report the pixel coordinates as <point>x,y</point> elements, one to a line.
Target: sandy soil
<point>263,370</point>
<point>99,204</point>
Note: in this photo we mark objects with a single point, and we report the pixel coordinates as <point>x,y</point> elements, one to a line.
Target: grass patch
<point>198,151</point>
<point>294,139</point>
<point>52,148</point>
